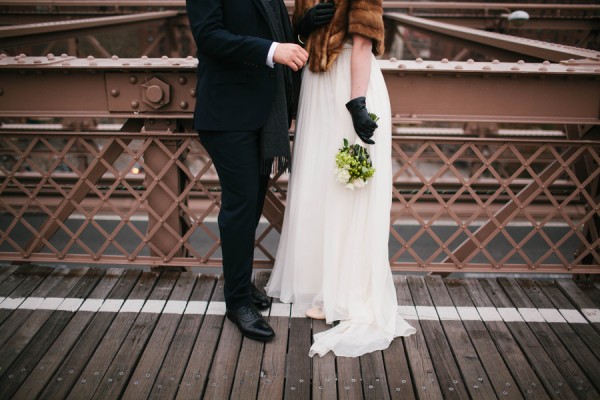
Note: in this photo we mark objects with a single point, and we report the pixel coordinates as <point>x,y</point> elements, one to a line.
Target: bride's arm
<point>360,72</point>
<point>360,65</point>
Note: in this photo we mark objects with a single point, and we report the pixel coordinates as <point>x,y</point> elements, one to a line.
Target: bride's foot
<point>315,313</point>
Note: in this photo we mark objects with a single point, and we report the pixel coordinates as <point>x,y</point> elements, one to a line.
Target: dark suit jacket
<point>235,87</point>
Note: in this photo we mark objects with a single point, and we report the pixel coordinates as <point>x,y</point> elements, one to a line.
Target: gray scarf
<point>274,139</point>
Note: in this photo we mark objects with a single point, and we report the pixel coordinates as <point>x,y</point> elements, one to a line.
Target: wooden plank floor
<point>89,333</point>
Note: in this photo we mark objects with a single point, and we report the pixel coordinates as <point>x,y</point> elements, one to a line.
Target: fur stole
<point>364,17</point>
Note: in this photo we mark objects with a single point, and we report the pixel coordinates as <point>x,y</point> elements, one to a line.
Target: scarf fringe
<point>275,165</point>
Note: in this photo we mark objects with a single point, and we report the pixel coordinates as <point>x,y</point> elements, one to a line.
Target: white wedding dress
<point>333,250</point>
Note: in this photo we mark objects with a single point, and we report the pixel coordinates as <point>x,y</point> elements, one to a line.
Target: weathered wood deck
<point>107,334</point>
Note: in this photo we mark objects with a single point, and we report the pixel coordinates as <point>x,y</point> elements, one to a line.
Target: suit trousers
<point>236,158</point>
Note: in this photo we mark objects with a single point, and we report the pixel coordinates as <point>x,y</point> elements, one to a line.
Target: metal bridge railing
<point>460,203</point>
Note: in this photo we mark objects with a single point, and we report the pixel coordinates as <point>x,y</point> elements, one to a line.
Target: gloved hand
<point>315,17</point>
<point>364,126</point>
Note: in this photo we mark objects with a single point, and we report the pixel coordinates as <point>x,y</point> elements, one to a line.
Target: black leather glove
<point>317,16</point>
<point>364,126</point>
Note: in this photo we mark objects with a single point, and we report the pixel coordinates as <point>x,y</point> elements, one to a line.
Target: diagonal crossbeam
<point>546,177</point>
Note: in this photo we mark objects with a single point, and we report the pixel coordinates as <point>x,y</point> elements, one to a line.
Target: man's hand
<point>291,55</point>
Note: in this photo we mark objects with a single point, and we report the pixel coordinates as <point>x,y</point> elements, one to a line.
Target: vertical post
<point>161,196</point>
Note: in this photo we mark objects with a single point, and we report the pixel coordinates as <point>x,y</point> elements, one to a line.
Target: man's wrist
<point>270,62</point>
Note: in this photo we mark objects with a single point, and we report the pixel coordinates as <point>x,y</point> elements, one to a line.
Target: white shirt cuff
<point>270,61</point>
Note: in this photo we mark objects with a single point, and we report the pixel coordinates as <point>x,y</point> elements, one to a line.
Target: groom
<point>243,113</point>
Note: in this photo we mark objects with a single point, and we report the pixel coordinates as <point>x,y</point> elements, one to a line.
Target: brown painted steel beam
<point>567,93</point>
<point>19,35</point>
<point>528,47</point>
<point>534,22</point>
<point>388,4</point>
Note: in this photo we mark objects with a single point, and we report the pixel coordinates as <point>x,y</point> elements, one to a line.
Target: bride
<point>333,256</point>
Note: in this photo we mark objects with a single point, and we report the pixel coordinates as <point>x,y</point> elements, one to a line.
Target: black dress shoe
<point>261,300</point>
<point>251,323</point>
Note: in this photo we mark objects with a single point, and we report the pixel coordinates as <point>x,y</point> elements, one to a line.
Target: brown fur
<point>364,17</point>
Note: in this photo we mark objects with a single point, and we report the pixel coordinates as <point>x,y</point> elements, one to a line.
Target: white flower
<point>342,175</point>
<point>350,186</point>
<point>359,183</point>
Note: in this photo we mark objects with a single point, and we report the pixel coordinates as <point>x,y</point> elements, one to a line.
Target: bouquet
<point>353,164</point>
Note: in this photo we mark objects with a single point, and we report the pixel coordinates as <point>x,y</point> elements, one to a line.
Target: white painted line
<point>510,314</point>
<point>2,299</point>
<point>71,304</point>
<point>11,304</point>
<point>280,310</point>
<point>426,313</point>
<point>216,308</point>
<point>50,303</point>
<point>489,314</point>
<point>408,312</point>
<point>111,305</point>
<point>468,313</point>
<point>299,310</point>
<point>448,313</point>
<point>573,316</point>
<point>592,314</point>
<point>196,307</point>
<point>531,314</point>
<point>132,305</point>
<point>31,303</point>
<point>551,315</point>
<point>174,307</point>
<point>92,305</point>
<point>154,306</point>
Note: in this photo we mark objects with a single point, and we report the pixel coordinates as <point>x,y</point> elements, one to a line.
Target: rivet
<point>546,62</point>
<point>444,61</point>
<point>520,62</point>
<point>470,61</point>
<point>495,61</point>
<point>393,59</point>
<point>115,92</point>
<point>63,55</point>
<point>189,58</point>
<point>135,104</point>
<point>144,57</point>
<point>164,57</point>
<point>22,55</point>
<point>401,66</point>
<point>193,92</point>
<point>182,80</point>
<point>183,105</point>
<point>114,57</point>
<point>419,60</point>
<point>132,79</point>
